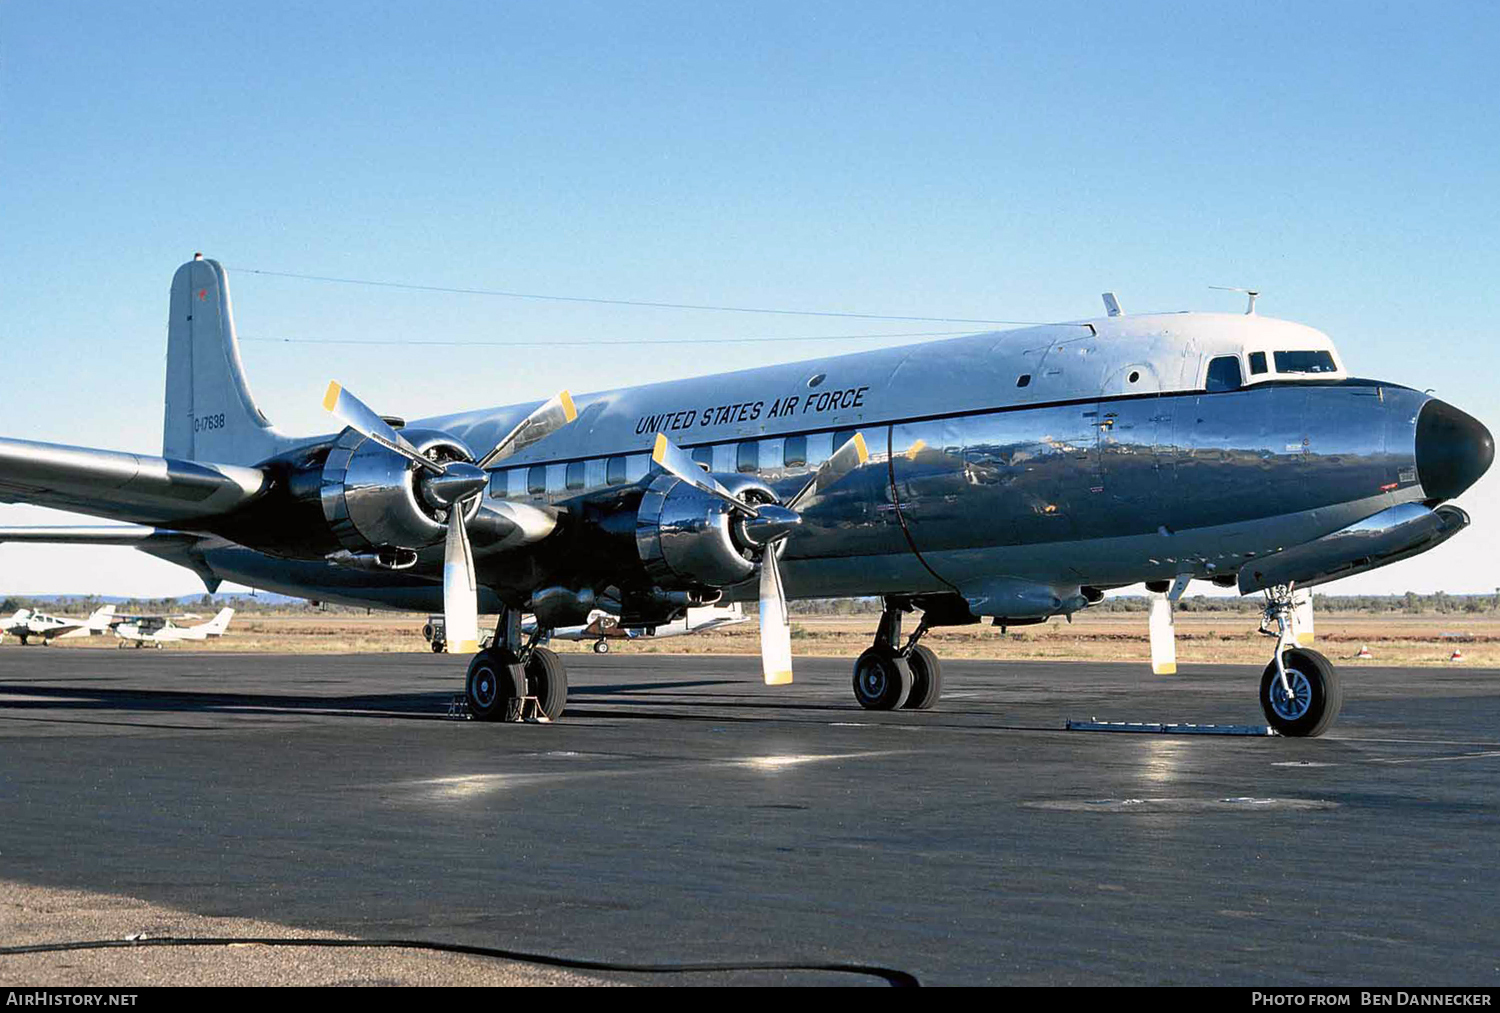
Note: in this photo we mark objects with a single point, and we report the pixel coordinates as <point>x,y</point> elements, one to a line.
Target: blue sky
<point>972,160</point>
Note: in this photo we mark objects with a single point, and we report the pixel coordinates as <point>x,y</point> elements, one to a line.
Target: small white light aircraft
<point>28,623</point>
<point>602,627</point>
<point>158,630</point>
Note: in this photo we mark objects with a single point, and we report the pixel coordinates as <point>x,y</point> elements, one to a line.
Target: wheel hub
<point>484,687</point>
<point>1291,706</point>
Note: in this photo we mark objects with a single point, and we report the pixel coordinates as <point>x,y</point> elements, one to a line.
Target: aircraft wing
<point>128,487</point>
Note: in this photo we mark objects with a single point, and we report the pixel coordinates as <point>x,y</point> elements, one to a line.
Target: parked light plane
<point>28,623</point>
<point>602,627</point>
<point>1009,476</point>
<point>158,630</point>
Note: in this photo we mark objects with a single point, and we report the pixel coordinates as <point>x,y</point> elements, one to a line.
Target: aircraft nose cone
<point>1453,450</point>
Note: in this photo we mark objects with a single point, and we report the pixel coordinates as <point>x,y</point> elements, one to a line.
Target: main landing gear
<point>891,674</point>
<point>513,679</point>
<point>1299,690</point>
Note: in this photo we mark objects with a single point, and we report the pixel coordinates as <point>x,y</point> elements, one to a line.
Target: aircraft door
<point>967,485</point>
<point>1130,463</point>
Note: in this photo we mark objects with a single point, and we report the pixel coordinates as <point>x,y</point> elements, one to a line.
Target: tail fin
<point>219,623</point>
<point>210,415</point>
<point>100,618</point>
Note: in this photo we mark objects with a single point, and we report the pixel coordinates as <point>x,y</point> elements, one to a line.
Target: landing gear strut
<point>513,679</point>
<point>1300,692</point>
<point>893,674</point>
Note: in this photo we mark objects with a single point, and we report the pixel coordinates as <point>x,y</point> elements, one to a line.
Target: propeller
<point>1163,628</point>
<point>766,525</point>
<point>450,485</point>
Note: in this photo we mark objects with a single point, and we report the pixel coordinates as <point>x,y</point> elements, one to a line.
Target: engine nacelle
<point>372,496</point>
<point>688,538</point>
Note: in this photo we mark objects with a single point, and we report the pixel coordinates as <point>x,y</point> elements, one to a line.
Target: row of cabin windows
<point>748,457</point>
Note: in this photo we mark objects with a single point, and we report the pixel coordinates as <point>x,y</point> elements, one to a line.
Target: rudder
<point>210,413</point>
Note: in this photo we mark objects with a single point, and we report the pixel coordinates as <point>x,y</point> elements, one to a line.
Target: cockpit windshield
<point>1305,362</point>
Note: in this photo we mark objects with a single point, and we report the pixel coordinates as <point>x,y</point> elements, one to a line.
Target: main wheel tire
<point>547,680</point>
<point>1316,694</point>
<point>438,646</point>
<point>926,679</point>
<point>882,681</point>
<point>601,647</point>
<point>489,688</point>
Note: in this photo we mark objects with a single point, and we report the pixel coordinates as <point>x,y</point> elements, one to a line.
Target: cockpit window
<point>1305,362</point>
<point>1257,363</point>
<point>1224,373</point>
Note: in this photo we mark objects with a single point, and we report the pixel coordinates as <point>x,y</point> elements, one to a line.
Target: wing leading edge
<point>121,486</point>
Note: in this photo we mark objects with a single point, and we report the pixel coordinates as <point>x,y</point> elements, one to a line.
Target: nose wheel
<point>1310,698</point>
<point>1300,692</point>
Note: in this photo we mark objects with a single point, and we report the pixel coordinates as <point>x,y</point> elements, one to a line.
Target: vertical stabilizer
<point>210,415</point>
<point>218,624</point>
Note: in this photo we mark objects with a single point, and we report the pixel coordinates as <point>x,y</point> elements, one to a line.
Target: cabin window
<point>1224,373</point>
<point>705,457</point>
<point>536,480</point>
<point>1257,363</point>
<point>1305,362</point>
<point>498,480</point>
<point>575,476</point>
<point>1023,380</point>
<point>747,457</point>
<point>614,471</point>
<point>794,452</point>
<point>515,482</point>
<point>594,473</point>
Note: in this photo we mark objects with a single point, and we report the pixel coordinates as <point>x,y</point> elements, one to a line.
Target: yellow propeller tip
<point>860,448</point>
<point>331,398</point>
<point>778,678</point>
<point>569,412</point>
<point>660,450</point>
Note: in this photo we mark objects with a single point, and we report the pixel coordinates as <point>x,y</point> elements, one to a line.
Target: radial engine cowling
<point>688,538</point>
<point>372,497</point>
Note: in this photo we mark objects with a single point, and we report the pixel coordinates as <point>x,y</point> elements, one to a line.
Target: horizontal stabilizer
<point>120,486</point>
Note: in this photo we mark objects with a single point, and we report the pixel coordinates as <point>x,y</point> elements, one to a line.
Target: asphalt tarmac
<point>680,813</point>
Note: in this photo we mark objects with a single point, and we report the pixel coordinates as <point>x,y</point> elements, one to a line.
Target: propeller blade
<point>775,629</point>
<point>1163,627</point>
<point>851,455</point>
<point>1163,637</point>
<point>460,590</point>
<point>360,417</point>
<point>678,462</point>
<point>557,412</point>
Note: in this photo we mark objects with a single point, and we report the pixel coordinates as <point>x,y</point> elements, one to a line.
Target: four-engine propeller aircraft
<point>158,630</point>
<point>28,623</point>
<point>1009,476</point>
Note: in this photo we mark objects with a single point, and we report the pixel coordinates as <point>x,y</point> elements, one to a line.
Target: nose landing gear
<point>1300,692</point>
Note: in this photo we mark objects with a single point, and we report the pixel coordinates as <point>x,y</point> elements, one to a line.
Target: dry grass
<point>1201,638</point>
